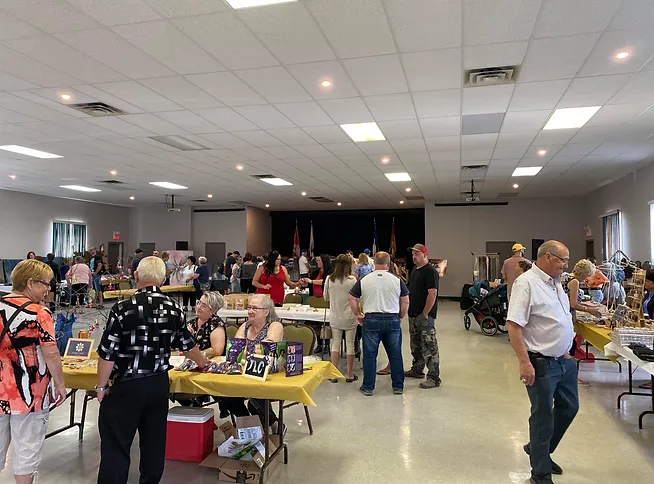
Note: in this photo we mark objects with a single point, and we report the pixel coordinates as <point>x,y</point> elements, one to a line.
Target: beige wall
<point>228,227</point>
<point>258,231</point>
<point>453,233</point>
<point>155,224</point>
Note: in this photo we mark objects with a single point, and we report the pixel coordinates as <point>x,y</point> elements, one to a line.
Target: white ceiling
<point>246,84</point>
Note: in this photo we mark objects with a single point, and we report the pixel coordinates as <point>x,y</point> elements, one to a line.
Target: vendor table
<point>614,350</point>
<point>110,281</point>
<point>599,337</point>
<point>320,316</point>
<point>122,294</point>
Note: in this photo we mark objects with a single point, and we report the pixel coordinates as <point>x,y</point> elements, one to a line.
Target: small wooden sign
<point>256,366</point>
<point>619,316</point>
<point>78,348</point>
<point>294,358</point>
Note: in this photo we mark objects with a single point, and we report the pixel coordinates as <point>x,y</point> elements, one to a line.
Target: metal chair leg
<point>306,412</point>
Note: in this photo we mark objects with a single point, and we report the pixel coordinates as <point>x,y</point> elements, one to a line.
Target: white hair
<point>267,303</point>
<point>215,300</point>
<point>151,270</point>
<point>202,260</point>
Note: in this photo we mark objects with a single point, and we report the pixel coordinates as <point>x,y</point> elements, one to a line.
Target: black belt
<point>533,354</point>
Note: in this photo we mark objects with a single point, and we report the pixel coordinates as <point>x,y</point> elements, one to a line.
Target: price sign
<point>294,359</point>
<point>78,348</point>
<point>256,366</point>
<point>619,316</point>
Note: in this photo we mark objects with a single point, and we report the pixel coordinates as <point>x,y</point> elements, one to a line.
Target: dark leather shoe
<point>541,480</point>
<point>556,469</point>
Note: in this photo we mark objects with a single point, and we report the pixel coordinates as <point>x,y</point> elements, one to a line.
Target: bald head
<point>382,260</point>
<point>553,258</point>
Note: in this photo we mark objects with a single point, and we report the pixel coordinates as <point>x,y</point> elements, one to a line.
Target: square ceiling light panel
<point>398,177</point>
<point>168,185</point>
<point>276,182</point>
<point>236,4</point>
<point>21,150</point>
<point>80,188</point>
<point>571,117</point>
<point>361,132</point>
<point>527,171</point>
<point>482,123</point>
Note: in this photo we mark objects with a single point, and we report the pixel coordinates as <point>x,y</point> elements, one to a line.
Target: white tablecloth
<point>319,316</point>
<point>4,288</point>
<point>613,349</point>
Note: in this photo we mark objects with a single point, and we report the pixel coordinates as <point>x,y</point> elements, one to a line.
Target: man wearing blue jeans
<point>385,299</point>
<point>541,332</point>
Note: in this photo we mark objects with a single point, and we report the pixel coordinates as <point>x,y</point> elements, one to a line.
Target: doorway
<point>590,248</point>
<point>535,245</point>
<point>115,255</point>
<point>215,253</point>
<point>148,248</point>
<point>501,248</point>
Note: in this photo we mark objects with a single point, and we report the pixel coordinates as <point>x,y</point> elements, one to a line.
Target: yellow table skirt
<point>598,336</point>
<point>276,387</point>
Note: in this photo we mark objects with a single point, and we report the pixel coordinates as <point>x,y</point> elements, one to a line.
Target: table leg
<point>72,395</point>
<point>266,436</point>
<point>647,412</point>
<point>595,358</point>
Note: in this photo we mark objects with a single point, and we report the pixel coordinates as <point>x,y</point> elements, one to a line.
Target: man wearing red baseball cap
<point>423,306</point>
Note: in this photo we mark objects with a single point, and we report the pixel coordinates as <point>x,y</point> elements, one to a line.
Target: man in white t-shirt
<point>541,333</point>
<point>385,299</point>
<point>304,266</point>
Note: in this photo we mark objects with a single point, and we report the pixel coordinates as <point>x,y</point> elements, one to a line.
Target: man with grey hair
<point>385,300</point>
<point>541,333</point>
<point>134,353</point>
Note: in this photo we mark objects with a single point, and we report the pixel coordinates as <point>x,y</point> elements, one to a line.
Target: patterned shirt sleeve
<point>46,328</point>
<point>110,342</point>
<point>182,339</point>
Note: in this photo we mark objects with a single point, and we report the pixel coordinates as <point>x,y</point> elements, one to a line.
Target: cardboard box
<point>231,470</point>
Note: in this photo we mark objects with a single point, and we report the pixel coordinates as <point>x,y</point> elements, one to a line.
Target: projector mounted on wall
<point>171,206</point>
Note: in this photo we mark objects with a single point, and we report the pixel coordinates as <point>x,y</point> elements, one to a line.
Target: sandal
<point>350,380</point>
<point>384,371</point>
<point>333,380</point>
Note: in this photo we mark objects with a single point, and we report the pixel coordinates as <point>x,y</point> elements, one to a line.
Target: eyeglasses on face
<point>564,260</point>
<point>203,305</point>
<point>45,283</point>
<point>254,308</point>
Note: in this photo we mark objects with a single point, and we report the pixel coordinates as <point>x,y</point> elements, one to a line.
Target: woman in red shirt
<point>319,276</point>
<point>270,278</point>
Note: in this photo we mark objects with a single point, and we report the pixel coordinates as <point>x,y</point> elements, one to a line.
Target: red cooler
<point>189,434</point>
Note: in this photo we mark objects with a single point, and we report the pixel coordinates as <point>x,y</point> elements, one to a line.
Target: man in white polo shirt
<point>541,332</point>
<point>385,300</point>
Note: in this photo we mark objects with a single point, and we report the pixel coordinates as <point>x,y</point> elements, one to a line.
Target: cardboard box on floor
<point>228,469</point>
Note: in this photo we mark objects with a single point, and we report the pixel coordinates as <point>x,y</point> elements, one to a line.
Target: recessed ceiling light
<point>398,177</point>
<point>542,152</point>
<point>407,189</point>
<point>80,188</point>
<point>304,194</point>
<point>21,150</point>
<point>236,4</point>
<point>267,205</point>
<point>114,172</point>
<point>131,198</point>
<point>339,204</point>
<point>65,97</point>
<point>210,196</point>
<point>527,170</point>
<point>401,202</point>
<point>239,167</point>
<point>622,55</point>
<point>276,182</point>
<point>361,132</point>
<point>385,159</point>
<point>13,177</point>
<point>571,117</point>
<point>515,185</point>
<point>170,186</point>
<point>326,83</point>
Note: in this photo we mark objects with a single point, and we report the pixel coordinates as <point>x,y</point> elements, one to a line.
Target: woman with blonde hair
<point>363,266</point>
<point>342,321</point>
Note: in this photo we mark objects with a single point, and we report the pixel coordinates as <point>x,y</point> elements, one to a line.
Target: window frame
<point>69,240</point>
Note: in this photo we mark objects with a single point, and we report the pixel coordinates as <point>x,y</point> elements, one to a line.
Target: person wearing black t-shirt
<point>423,306</point>
<point>98,268</point>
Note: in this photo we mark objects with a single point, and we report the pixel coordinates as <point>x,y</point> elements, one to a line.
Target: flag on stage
<point>311,241</point>
<point>374,237</point>
<point>296,242</point>
<point>393,246</point>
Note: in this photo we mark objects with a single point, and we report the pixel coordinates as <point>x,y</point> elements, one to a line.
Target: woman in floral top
<point>208,329</point>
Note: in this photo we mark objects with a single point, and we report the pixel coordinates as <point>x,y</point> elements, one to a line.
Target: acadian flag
<point>296,242</point>
<point>374,237</point>
<point>311,241</point>
<point>393,245</point>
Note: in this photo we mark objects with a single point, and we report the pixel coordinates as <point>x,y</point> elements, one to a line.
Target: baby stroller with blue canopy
<point>489,309</point>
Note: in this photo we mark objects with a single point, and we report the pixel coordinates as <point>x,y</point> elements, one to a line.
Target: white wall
<point>259,231</point>
<point>26,222</point>
<point>453,233</point>
<point>156,224</point>
<point>630,195</point>
<point>228,227</point>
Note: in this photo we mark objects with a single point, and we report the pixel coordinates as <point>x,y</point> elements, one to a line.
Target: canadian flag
<point>296,243</point>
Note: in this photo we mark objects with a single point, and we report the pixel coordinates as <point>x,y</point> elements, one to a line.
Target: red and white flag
<point>296,243</point>
<point>311,241</point>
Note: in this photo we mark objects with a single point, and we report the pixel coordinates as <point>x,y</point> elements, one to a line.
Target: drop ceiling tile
<point>312,151</point>
<point>265,116</point>
<point>139,96</point>
<point>589,134</point>
<point>260,139</point>
<point>310,75</point>
<point>169,46</point>
<point>121,126</point>
<point>525,120</point>
<point>515,139</point>
<point>377,75</point>
<point>430,104</point>
<point>375,147</point>
<point>391,107</point>
<point>556,58</point>
<point>529,96</point>
<point>305,114</point>
<point>345,111</point>
<point>12,28</point>
<point>504,54</point>
<point>289,32</point>
<point>343,149</point>
<point>443,143</point>
<point>639,43</point>
<point>51,16</point>
<point>433,70</point>
<point>226,140</point>
<point>472,124</point>
<point>116,12</point>
<point>420,26</point>
<point>554,136</point>
<point>292,136</point>
<point>483,155</point>
<point>617,114</point>
<point>487,99</point>
<point>275,84</point>
<point>155,124</point>
<point>189,121</point>
<point>478,141</point>
<point>633,14</point>
<point>495,21</point>
<point>577,149</point>
<point>10,82</point>
<point>445,126</point>
<point>413,158</point>
<point>175,8</point>
<point>39,110</point>
<point>344,22</point>
<point>637,89</point>
<point>226,87</point>
<point>509,153</point>
<point>327,134</point>
<point>592,91</point>
<point>409,145</point>
<point>228,40</point>
<point>32,70</point>
<point>182,92</point>
<point>395,130</point>
<point>226,118</point>
<point>569,17</point>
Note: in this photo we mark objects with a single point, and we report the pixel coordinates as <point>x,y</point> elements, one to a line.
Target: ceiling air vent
<point>97,109</point>
<point>321,199</point>
<point>239,202</point>
<point>116,185</point>
<point>508,195</point>
<point>491,76</point>
<point>112,182</point>
<point>199,201</point>
<point>415,198</point>
<point>471,172</point>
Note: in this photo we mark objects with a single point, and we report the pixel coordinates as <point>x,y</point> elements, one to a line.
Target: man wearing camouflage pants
<point>423,305</point>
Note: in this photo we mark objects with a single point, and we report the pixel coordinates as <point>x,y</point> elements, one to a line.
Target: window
<point>611,234</point>
<point>68,238</point>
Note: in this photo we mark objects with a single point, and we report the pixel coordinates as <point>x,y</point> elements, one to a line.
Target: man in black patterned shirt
<point>134,353</point>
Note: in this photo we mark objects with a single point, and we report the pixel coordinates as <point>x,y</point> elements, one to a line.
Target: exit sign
<point>116,235</point>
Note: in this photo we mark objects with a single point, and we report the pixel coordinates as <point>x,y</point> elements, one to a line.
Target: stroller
<point>489,309</point>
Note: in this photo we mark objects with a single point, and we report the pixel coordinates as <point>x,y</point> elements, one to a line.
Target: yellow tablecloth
<point>276,387</point>
<point>597,336</point>
<point>130,292</point>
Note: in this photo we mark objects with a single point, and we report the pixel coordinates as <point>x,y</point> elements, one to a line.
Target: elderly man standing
<point>510,269</point>
<point>385,300</point>
<point>541,332</point>
<point>134,352</point>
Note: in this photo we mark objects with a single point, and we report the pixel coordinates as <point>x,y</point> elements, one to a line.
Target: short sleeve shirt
<point>380,292</point>
<point>420,282</point>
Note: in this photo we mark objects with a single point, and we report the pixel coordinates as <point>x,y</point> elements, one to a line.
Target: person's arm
<point>518,318</point>
<point>102,379</point>
<point>275,332</point>
<point>287,279</point>
<point>183,340</point>
<point>353,301</point>
<point>255,280</point>
<point>432,292</point>
<point>325,293</point>
<point>217,338</point>
<point>573,287</point>
<point>241,331</point>
<point>404,306</point>
<point>527,372</point>
<point>108,352</point>
<point>504,271</point>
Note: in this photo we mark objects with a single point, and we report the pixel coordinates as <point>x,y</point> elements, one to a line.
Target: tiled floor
<point>471,430</point>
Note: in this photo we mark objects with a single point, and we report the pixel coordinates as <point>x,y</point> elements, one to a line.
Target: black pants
<point>256,407</point>
<point>246,286</point>
<point>140,404</point>
<point>186,296</point>
<point>78,291</point>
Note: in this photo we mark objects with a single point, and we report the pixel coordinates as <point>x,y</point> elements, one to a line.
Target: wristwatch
<point>101,389</point>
